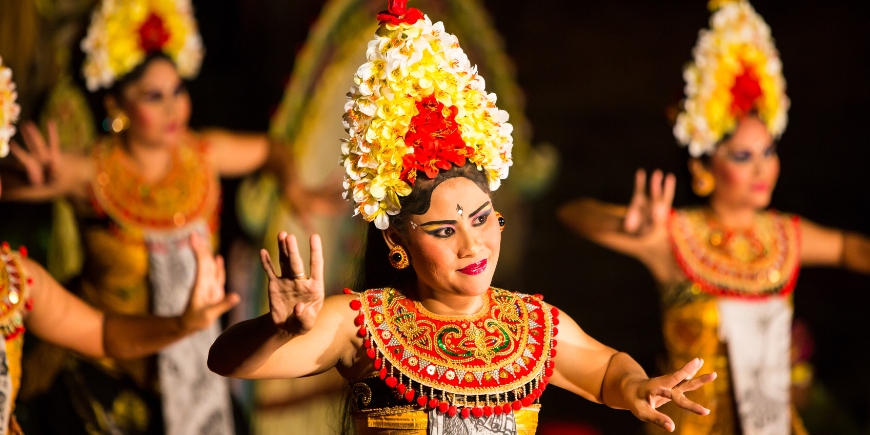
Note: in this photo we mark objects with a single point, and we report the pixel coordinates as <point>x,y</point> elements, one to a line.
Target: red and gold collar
<point>14,294</point>
<point>761,261</point>
<point>495,361</point>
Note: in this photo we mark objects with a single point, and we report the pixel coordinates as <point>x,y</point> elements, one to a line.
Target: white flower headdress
<point>736,71</point>
<point>9,108</point>
<point>123,33</point>
<point>418,105</point>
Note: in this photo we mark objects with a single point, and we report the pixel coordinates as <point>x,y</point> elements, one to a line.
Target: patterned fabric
<point>14,302</point>
<point>753,263</point>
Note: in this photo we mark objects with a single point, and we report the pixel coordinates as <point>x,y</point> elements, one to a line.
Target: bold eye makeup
<point>181,89</point>
<point>770,151</point>
<point>480,216</point>
<point>740,156</point>
<point>152,96</point>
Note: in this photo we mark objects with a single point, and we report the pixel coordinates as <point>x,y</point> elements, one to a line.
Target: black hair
<point>117,89</point>
<point>375,270</point>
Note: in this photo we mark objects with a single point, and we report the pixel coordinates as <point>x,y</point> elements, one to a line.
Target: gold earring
<point>501,221</point>
<point>703,183</point>
<point>398,257</point>
<point>117,121</point>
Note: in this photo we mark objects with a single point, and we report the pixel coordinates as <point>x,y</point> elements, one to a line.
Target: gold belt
<point>417,422</point>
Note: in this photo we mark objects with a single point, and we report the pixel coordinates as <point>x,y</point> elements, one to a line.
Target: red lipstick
<point>759,187</point>
<point>474,268</point>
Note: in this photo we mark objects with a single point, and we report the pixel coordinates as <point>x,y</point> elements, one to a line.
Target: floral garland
<point>9,109</point>
<point>123,32</point>
<point>736,71</point>
<point>418,105</point>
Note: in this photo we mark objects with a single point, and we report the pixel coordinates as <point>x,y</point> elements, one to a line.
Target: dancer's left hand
<point>208,301</point>
<point>646,395</point>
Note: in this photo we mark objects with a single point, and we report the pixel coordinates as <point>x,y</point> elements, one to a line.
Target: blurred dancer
<point>31,298</point>
<point>139,196</point>
<point>727,269</point>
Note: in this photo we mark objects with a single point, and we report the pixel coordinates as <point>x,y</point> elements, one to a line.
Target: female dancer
<point>727,269</point>
<point>141,194</point>
<point>31,298</point>
<point>431,346</point>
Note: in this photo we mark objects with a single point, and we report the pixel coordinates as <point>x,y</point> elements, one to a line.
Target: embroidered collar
<point>189,192</point>
<point>758,262</point>
<point>494,361</point>
<point>14,294</point>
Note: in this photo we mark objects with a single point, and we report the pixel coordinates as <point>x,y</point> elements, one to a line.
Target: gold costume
<point>718,259</point>
<point>14,303</point>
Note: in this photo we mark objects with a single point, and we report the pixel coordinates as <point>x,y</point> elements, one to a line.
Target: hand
<point>649,214</point>
<point>207,299</point>
<point>43,161</point>
<point>646,395</point>
<point>294,301</point>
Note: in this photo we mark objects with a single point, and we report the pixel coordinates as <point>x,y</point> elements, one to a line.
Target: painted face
<point>158,105</point>
<point>454,246</point>
<point>746,166</point>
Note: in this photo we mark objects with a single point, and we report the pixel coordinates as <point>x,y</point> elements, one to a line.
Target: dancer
<point>141,194</point>
<point>727,269</point>
<point>430,345</point>
<point>33,299</point>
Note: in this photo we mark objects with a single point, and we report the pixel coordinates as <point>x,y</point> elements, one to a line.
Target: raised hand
<point>645,396</point>
<point>208,300</point>
<point>294,301</point>
<point>649,213</point>
<point>41,160</point>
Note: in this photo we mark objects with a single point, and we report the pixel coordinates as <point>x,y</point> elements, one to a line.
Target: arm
<point>236,154</point>
<point>638,230</point>
<point>615,379</point>
<point>65,320</point>
<point>821,246</point>
<point>48,172</point>
<point>302,334</point>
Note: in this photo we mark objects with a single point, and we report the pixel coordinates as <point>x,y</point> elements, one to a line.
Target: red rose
<point>397,13</point>
<point>745,92</point>
<point>436,140</point>
<point>153,34</point>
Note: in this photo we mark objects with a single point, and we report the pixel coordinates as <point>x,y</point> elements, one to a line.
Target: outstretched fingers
<point>32,167</point>
<point>682,401</point>
<point>268,267</point>
<point>687,372</point>
<point>316,263</point>
<point>650,415</point>
<point>297,267</point>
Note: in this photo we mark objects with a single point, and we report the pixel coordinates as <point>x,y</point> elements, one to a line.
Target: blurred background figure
<point>726,270</point>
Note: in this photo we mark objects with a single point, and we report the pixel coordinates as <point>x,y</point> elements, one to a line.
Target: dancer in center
<point>431,346</point>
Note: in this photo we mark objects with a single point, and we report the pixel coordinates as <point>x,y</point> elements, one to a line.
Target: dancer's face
<point>745,167</point>
<point>158,105</point>
<point>455,253</point>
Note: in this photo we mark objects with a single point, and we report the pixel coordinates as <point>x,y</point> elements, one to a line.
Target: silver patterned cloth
<point>758,334</point>
<point>442,424</point>
<point>195,400</point>
<point>5,392</point>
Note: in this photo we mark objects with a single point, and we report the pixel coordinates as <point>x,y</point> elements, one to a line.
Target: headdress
<point>123,32</point>
<point>418,105</point>
<point>736,71</point>
<point>9,109</point>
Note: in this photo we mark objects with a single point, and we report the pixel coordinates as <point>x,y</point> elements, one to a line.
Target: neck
<point>448,304</point>
<point>152,161</point>
<point>731,216</point>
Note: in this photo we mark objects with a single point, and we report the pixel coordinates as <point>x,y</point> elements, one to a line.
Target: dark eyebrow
<point>479,209</point>
<point>438,223</point>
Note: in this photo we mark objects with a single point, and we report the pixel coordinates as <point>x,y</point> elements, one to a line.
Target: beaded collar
<point>14,294</point>
<point>754,263</point>
<point>497,360</point>
<point>189,192</point>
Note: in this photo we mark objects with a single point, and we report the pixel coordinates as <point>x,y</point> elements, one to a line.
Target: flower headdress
<point>418,105</point>
<point>9,109</point>
<point>736,71</point>
<point>123,32</point>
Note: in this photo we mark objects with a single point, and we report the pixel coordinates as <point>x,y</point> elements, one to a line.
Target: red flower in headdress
<point>745,91</point>
<point>153,35</point>
<point>436,139</point>
<point>397,14</point>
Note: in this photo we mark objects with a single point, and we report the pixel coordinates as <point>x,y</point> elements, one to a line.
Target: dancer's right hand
<point>649,213</point>
<point>42,161</point>
<point>294,300</point>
